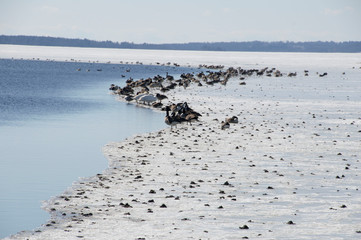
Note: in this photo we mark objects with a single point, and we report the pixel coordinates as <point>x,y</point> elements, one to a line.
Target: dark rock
<point>244,227</point>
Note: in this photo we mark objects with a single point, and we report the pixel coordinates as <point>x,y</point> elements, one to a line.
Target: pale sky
<point>181,21</point>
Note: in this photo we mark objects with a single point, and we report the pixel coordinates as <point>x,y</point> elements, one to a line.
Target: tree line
<point>253,46</point>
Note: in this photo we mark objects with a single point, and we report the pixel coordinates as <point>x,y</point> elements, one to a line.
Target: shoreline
<point>38,174</point>
<point>276,173</point>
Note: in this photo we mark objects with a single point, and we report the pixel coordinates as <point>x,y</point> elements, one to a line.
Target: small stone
<point>127,205</point>
<point>87,214</point>
<point>244,227</point>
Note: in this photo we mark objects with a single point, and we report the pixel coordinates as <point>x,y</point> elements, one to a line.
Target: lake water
<point>55,117</point>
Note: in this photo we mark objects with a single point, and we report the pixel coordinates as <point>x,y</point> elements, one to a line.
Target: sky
<point>182,21</point>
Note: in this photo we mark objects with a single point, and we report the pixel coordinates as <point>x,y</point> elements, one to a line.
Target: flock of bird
<point>227,123</point>
<point>180,112</point>
<point>139,90</point>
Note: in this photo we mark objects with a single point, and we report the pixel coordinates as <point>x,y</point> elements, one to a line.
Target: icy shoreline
<point>288,170</point>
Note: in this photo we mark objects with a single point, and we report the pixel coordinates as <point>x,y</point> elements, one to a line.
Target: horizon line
<point>164,43</point>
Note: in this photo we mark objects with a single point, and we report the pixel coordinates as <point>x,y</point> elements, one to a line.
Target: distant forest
<point>252,46</point>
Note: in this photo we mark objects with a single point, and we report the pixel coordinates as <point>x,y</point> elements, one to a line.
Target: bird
<point>170,120</point>
<point>136,98</point>
<point>186,110</point>
<point>129,98</point>
<point>161,97</point>
<point>224,125</point>
<point>176,108</point>
<point>233,119</point>
<point>191,117</point>
<point>157,105</point>
<point>149,98</point>
<point>156,85</point>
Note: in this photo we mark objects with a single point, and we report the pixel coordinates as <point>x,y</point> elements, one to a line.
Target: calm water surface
<point>55,117</point>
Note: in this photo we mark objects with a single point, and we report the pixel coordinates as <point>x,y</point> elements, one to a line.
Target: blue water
<point>54,121</point>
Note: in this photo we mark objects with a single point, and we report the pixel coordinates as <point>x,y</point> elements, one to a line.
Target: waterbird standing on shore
<point>137,97</point>
<point>191,118</point>
<point>170,120</point>
<point>129,98</point>
<point>149,98</point>
<point>233,119</point>
<point>224,125</point>
<point>175,108</point>
<point>161,97</point>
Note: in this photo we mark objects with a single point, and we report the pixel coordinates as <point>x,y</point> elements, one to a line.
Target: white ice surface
<point>193,58</point>
<point>295,136</point>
